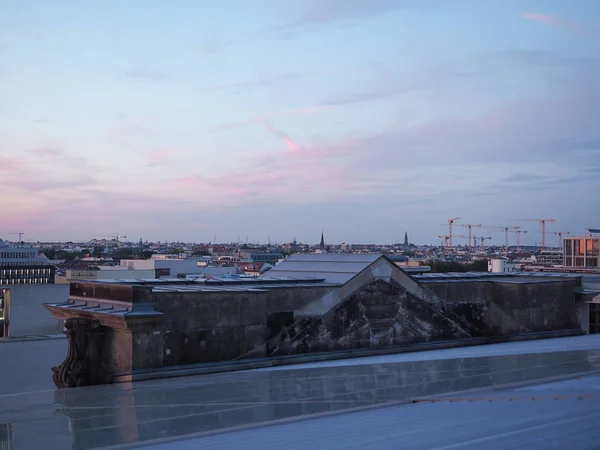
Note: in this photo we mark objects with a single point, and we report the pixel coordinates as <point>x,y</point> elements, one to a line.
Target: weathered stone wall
<point>219,326</point>
<point>517,307</point>
<point>495,308</point>
<point>380,313</point>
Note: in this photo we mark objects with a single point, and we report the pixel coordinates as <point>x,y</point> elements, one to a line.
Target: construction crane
<point>543,222</point>
<point>482,239</point>
<point>444,240</point>
<point>450,223</point>
<point>518,238</point>
<point>20,238</point>
<point>559,235</point>
<point>470,226</point>
<point>462,236</point>
<point>506,231</point>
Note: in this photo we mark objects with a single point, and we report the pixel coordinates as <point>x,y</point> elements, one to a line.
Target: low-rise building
<point>502,265</point>
<point>23,265</point>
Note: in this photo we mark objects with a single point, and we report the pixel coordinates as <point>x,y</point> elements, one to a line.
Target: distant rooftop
<point>336,268</point>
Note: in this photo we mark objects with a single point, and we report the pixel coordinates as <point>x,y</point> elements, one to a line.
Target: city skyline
<point>179,121</point>
<point>494,237</point>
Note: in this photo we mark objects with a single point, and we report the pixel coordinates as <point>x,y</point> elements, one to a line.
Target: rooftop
<point>537,394</point>
<point>215,283</point>
<point>331,267</point>
<point>512,277</point>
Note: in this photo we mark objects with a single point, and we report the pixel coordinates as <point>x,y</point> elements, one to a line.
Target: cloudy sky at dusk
<point>187,119</point>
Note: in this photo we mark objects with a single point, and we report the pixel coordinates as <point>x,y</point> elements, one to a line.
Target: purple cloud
<point>552,20</point>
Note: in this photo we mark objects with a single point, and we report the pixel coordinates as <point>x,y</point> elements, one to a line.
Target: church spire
<point>322,244</point>
<point>406,238</point>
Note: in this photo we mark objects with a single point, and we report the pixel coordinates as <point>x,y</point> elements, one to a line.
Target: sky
<point>272,120</point>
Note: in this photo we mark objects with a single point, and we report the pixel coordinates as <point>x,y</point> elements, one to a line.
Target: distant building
<point>550,258</point>
<point>104,273</point>
<point>502,265</point>
<point>322,243</point>
<point>292,247</point>
<point>254,269</point>
<point>22,265</point>
<point>265,257</point>
<point>582,251</point>
<point>172,267</point>
<point>406,244</point>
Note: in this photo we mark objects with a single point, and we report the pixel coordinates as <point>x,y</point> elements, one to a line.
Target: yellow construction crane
<point>518,238</point>
<point>543,222</point>
<point>450,223</point>
<point>469,226</point>
<point>506,231</point>
<point>482,239</point>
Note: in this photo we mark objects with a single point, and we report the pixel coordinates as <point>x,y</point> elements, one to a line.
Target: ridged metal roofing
<point>332,267</point>
<point>250,284</point>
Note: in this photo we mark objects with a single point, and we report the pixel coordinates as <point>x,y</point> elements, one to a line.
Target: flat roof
<point>513,395</point>
<point>513,277</point>
<point>217,284</point>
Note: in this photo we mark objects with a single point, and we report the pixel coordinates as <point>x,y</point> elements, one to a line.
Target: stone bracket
<point>83,364</point>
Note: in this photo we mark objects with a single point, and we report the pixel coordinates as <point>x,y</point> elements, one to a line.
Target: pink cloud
<point>259,119</point>
<point>291,145</point>
<point>9,163</point>
<point>552,20</point>
<point>316,173</point>
<point>186,181</point>
<point>160,157</point>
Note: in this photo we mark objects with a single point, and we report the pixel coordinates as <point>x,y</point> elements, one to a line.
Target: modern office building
<point>582,251</point>
<point>23,265</point>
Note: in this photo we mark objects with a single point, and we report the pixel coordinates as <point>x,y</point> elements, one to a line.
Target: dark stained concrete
<point>510,305</point>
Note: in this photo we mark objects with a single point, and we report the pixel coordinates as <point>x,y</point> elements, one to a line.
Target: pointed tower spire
<point>406,238</point>
<point>322,244</point>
